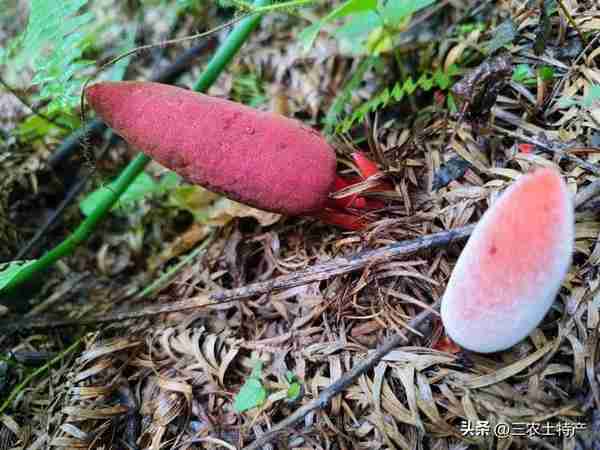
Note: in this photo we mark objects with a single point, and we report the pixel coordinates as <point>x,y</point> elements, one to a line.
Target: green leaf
<point>546,73</point>
<point>294,391</point>
<point>11,270</point>
<point>351,7</point>
<point>295,388</point>
<point>442,80</point>
<point>426,82</point>
<point>309,34</point>
<point>169,182</point>
<point>35,127</point>
<point>396,12</point>
<point>522,73</point>
<point>468,28</point>
<point>357,30</point>
<point>252,393</point>
<point>343,98</point>
<point>142,186</point>
<point>257,370</point>
<point>379,41</point>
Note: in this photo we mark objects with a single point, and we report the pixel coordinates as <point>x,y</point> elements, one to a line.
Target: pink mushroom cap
<point>513,265</point>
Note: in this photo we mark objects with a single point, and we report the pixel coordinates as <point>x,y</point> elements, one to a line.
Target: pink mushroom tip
<point>513,265</point>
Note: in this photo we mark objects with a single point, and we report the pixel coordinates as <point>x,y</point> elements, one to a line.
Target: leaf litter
<point>173,380</point>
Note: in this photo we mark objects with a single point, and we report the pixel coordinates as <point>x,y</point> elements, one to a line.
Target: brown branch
<point>341,383</point>
<point>318,272</point>
<point>344,264</point>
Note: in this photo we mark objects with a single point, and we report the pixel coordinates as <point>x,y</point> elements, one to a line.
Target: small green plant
<point>370,28</point>
<point>527,75</point>
<point>294,390</point>
<point>524,74</point>
<point>370,25</point>
<point>252,393</point>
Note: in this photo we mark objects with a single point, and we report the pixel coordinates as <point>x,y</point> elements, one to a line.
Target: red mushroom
<point>261,159</point>
<point>257,158</point>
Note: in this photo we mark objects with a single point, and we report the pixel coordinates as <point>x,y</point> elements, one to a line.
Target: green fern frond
<point>427,81</point>
<point>53,44</point>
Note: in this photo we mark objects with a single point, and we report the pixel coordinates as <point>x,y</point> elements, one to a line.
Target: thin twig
<point>341,383</point>
<point>318,272</point>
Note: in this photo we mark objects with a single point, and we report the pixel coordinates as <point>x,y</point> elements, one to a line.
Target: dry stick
<point>318,272</point>
<point>343,382</point>
<point>572,21</point>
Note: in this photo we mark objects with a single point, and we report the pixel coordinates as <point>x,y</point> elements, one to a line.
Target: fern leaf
<point>53,45</point>
<point>426,82</point>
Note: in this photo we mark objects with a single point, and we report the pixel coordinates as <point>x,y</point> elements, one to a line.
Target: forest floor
<point>174,314</point>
